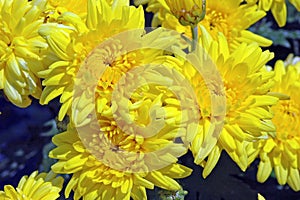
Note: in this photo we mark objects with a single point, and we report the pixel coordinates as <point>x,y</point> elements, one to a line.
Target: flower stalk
<point>194,29</point>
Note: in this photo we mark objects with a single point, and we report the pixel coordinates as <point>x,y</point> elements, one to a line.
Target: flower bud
<point>188,12</point>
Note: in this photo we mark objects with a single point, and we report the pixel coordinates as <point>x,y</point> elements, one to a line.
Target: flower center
<point>286,119</point>
<point>216,22</point>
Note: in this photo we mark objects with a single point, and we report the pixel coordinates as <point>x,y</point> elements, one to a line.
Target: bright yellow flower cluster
<point>43,186</point>
<point>20,50</point>
<point>72,44</point>
<point>281,152</point>
<point>94,180</point>
<point>137,101</point>
<point>246,84</point>
<point>100,158</point>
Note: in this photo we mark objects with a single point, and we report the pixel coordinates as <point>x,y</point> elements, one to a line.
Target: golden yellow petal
<point>138,193</point>
<point>296,3</point>
<point>265,4</point>
<point>72,184</point>
<point>248,37</point>
<point>264,170</point>
<point>138,180</point>
<point>58,39</point>
<point>57,79</point>
<point>42,191</point>
<point>29,183</point>
<point>260,197</point>
<point>279,12</point>
<point>64,109</point>
<point>108,193</point>
<point>176,171</point>
<point>14,96</point>
<point>2,79</point>
<point>50,93</point>
<point>227,141</point>
<point>212,160</point>
<point>75,162</point>
<point>59,167</point>
<point>269,145</point>
<point>294,179</point>
<point>92,17</point>
<point>162,181</point>
<point>11,192</point>
<point>281,173</point>
<point>62,152</point>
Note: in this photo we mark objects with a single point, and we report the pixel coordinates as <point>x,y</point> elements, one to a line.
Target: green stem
<point>194,37</point>
<point>203,8</point>
<point>195,28</point>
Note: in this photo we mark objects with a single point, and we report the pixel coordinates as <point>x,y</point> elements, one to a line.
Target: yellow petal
<point>294,179</point>
<point>296,3</point>
<point>163,181</point>
<point>260,197</point>
<point>264,170</point>
<point>49,93</point>
<point>248,37</point>
<point>138,180</point>
<point>11,192</point>
<point>138,192</point>
<point>279,12</point>
<point>281,173</point>
<point>212,160</point>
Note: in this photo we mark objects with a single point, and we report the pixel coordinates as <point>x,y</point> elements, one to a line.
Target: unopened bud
<point>188,12</point>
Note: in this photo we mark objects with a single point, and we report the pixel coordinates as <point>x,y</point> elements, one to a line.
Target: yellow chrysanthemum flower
<point>92,179</point>
<point>139,127</point>
<point>226,16</point>
<point>73,43</point>
<point>281,153</point>
<point>246,84</point>
<point>20,50</point>
<point>43,186</point>
<point>277,7</point>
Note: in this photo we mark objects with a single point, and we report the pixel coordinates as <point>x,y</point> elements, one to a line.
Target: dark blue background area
<point>21,142</point>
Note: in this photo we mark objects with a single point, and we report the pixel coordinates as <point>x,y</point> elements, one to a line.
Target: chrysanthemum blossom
<point>91,179</point>
<point>225,16</point>
<point>37,186</point>
<point>20,50</point>
<point>133,114</point>
<point>281,152</point>
<point>146,100</point>
<point>132,102</point>
<point>277,7</point>
<point>246,83</point>
<point>72,44</point>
